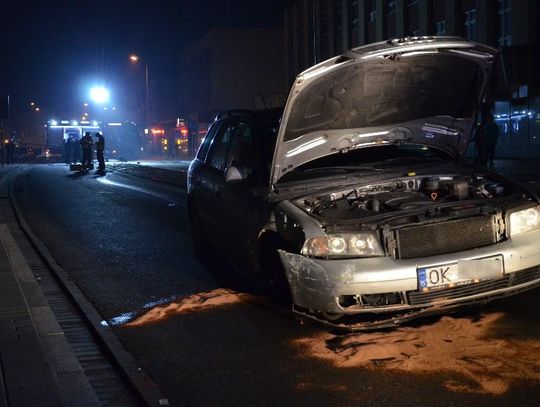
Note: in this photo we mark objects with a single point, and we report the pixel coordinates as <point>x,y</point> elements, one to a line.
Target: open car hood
<point>421,90</point>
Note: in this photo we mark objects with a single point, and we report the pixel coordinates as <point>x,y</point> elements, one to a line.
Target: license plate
<point>462,272</point>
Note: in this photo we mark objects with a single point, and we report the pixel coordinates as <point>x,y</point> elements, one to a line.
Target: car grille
<point>445,237</point>
<point>510,280</point>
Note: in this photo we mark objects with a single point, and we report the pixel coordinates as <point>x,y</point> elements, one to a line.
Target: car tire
<point>271,267</point>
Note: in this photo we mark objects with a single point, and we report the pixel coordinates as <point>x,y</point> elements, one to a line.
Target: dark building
<point>316,30</point>
<point>232,68</point>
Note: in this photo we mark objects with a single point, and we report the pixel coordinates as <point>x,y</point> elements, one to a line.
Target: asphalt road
<point>210,339</point>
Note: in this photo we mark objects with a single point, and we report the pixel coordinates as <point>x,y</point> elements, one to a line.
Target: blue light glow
<point>99,95</point>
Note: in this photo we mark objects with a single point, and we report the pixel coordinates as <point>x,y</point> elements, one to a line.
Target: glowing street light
<point>99,95</point>
<point>135,59</point>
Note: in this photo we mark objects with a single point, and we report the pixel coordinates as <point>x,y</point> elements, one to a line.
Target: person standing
<point>100,152</point>
<point>68,149</point>
<point>75,151</point>
<point>86,146</point>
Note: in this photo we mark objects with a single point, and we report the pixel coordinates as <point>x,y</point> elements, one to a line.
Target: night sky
<point>51,50</point>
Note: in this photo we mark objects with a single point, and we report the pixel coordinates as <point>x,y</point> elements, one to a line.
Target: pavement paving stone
<point>35,365</point>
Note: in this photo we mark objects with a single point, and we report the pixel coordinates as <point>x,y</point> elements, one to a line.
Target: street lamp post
<point>136,58</point>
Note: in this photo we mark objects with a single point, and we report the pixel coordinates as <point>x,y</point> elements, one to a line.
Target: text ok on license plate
<point>462,272</point>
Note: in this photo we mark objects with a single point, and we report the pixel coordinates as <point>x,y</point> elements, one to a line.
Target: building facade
<point>232,68</point>
<point>316,30</point>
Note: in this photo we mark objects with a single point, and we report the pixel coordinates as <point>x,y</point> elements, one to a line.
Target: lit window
<point>470,24</point>
<point>505,12</point>
<point>440,27</point>
<point>373,11</point>
<point>391,8</point>
<point>355,14</point>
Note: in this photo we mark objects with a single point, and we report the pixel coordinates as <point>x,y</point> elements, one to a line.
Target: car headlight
<point>343,245</point>
<point>524,220</point>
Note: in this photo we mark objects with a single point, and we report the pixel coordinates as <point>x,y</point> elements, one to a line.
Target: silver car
<point>366,208</point>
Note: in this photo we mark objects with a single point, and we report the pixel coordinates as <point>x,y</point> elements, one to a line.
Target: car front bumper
<point>318,284</point>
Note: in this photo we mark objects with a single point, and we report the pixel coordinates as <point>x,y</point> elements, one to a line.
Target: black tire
<point>270,265</point>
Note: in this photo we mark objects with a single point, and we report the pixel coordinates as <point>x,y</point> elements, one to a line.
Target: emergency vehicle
<point>122,139</point>
<point>170,138</point>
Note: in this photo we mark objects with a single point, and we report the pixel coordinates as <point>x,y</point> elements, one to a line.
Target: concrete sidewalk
<point>37,365</point>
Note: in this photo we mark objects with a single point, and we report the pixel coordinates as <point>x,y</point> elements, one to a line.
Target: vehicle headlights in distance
<point>524,220</point>
<point>343,245</point>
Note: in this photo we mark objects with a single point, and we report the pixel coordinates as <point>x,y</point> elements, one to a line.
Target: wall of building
<point>319,29</point>
<point>233,69</point>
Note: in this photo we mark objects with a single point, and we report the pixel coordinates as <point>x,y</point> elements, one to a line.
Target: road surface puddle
<point>456,345</point>
<point>196,302</point>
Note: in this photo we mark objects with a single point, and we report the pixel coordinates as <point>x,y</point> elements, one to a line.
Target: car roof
<point>273,114</point>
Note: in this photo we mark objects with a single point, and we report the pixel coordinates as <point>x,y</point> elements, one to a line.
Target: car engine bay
<point>404,194</point>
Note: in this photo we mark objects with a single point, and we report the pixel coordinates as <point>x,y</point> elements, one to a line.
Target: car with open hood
<point>358,198</point>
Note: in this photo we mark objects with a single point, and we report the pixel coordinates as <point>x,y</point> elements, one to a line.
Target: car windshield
<point>367,160</point>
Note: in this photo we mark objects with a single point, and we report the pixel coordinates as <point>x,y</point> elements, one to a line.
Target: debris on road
<point>195,302</point>
<point>460,346</point>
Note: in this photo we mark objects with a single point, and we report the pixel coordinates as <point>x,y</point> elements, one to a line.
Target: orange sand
<point>458,345</point>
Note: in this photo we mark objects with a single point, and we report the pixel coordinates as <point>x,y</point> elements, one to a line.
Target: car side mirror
<point>235,174</point>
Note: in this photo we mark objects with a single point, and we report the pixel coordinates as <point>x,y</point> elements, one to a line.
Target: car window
<point>210,134</point>
<point>241,152</point>
<point>217,155</point>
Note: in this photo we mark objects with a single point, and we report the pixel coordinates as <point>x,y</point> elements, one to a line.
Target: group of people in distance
<point>86,143</point>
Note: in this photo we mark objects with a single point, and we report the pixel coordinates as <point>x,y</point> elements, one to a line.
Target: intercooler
<point>445,237</point>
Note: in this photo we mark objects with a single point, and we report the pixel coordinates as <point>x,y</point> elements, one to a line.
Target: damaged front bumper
<point>325,289</point>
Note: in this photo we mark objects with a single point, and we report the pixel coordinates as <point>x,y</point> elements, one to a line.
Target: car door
<point>242,200</point>
<point>208,185</point>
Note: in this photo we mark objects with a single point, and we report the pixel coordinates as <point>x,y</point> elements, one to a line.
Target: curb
<point>144,388</point>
